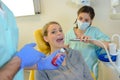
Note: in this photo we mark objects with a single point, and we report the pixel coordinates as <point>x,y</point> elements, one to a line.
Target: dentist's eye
<point>80,18</point>
<point>86,20</point>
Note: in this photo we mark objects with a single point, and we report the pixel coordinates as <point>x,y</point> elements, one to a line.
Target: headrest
<point>41,44</point>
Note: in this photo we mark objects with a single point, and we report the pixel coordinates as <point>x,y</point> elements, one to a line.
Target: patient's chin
<point>60,45</point>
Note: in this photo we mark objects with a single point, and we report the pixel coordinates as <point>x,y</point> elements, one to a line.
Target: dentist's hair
<point>87,9</point>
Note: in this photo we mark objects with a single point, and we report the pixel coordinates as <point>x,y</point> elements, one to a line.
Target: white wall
<point>51,10</point>
<point>64,12</point>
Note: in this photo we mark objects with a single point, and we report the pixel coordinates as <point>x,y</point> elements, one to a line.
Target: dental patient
<point>73,66</point>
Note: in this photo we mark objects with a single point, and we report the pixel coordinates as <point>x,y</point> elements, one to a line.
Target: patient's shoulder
<point>74,53</point>
<point>71,51</point>
<point>75,57</point>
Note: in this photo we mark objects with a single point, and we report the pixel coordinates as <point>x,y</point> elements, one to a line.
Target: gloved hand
<point>46,63</point>
<point>29,56</point>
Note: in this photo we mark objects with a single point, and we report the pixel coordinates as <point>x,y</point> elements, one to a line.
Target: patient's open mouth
<point>60,40</point>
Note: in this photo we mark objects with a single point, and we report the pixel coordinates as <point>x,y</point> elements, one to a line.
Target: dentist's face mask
<point>82,25</point>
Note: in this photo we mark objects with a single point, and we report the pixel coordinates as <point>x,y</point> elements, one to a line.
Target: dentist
<point>85,31</point>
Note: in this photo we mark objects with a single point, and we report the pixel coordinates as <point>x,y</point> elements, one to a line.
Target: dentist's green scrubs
<point>87,49</point>
<point>8,38</point>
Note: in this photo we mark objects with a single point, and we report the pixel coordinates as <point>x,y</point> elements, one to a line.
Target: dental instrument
<point>62,50</point>
<point>79,39</point>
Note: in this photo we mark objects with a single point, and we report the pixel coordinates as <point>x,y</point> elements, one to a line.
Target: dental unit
<point>112,56</point>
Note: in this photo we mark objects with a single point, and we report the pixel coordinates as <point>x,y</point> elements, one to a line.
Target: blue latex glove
<point>46,63</point>
<point>29,56</point>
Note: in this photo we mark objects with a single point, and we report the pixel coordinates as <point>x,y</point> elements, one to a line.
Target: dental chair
<point>44,49</point>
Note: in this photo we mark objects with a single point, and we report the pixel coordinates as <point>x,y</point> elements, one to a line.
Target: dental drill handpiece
<point>79,39</point>
<point>62,50</point>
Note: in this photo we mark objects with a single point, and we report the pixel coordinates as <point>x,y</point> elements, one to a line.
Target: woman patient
<point>73,66</point>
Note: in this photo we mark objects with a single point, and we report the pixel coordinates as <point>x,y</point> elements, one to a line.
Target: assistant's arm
<point>10,69</point>
<point>20,60</point>
<point>106,43</point>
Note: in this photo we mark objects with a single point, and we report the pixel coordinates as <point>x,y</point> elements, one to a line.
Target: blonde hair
<point>45,28</point>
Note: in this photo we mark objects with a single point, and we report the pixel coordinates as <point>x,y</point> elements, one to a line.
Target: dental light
<point>115,5</point>
<point>81,2</point>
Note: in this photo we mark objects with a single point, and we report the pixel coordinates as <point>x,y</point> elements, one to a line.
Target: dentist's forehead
<point>84,16</point>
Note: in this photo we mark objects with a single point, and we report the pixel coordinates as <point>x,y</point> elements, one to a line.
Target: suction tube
<point>108,54</point>
<point>109,57</point>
